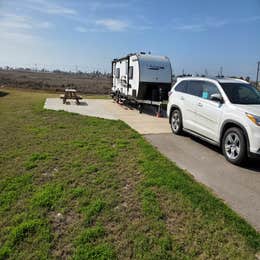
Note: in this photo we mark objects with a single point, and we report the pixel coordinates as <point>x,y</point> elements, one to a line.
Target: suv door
<point>179,96</point>
<point>194,92</point>
<point>209,112</point>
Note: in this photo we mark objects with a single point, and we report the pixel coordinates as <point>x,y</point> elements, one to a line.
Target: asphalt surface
<point>239,187</point>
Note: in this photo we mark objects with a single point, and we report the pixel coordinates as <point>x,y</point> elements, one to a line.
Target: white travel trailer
<point>143,78</point>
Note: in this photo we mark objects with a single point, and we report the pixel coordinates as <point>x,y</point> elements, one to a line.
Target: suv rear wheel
<point>234,146</point>
<point>176,122</point>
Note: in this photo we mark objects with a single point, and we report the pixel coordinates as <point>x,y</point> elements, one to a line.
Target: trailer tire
<point>118,97</point>
<point>140,108</point>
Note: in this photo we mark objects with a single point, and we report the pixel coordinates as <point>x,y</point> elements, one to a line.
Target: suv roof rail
<point>217,78</point>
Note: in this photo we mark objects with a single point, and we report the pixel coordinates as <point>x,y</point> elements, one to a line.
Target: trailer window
<point>131,72</point>
<point>118,73</point>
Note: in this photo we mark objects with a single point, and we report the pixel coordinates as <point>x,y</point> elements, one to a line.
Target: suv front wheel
<point>234,146</point>
<point>176,122</point>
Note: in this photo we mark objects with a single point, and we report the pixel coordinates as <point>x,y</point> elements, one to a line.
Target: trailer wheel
<point>118,97</point>
<point>114,96</point>
<point>140,108</point>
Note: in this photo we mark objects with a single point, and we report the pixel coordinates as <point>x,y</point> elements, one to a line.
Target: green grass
<point>87,188</point>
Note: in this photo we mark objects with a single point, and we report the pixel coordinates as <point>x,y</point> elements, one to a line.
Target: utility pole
<point>221,71</point>
<point>257,72</point>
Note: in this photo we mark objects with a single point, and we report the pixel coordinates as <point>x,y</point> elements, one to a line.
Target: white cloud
<point>113,24</point>
<point>92,22</point>
<point>20,31</point>
<point>94,6</point>
<point>81,29</point>
<point>50,8</point>
<point>191,27</point>
<point>214,23</point>
<point>60,10</point>
<point>11,22</point>
<point>251,19</point>
<point>18,37</point>
<point>44,25</point>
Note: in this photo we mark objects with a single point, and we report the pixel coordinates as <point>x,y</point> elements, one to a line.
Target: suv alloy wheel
<point>176,122</point>
<point>234,146</point>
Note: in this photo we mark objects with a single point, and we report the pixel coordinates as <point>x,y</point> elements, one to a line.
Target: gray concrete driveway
<point>107,108</point>
<point>239,187</point>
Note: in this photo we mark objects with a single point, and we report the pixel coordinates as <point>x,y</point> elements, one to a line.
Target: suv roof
<point>218,79</point>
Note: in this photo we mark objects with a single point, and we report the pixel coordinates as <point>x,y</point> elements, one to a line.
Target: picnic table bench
<point>70,94</point>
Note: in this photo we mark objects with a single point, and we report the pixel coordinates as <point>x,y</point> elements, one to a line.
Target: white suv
<point>222,111</point>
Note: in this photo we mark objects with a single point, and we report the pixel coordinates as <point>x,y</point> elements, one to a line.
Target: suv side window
<point>181,87</point>
<point>209,89</point>
<point>195,88</point>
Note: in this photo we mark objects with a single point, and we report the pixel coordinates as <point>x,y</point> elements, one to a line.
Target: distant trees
<point>92,74</point>
<point>97,74</point>
<point>57,71</point>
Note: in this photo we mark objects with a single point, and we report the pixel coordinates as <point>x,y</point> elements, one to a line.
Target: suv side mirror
<point>217,98</point>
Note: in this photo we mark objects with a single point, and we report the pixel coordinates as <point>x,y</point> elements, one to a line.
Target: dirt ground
<point>55,81</point>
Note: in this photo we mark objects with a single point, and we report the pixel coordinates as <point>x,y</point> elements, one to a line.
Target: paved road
<point>239,187</point>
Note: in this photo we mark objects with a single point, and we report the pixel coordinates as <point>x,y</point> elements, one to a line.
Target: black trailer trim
<point>140,103</point>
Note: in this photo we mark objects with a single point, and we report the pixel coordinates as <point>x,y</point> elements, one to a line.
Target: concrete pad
<point>90,107</point>
<point>108,109</point>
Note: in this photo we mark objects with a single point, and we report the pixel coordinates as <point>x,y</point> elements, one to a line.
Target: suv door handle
<point>200,104</point>
<point>182,98</point>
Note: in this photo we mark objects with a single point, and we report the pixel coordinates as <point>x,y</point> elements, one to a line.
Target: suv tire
<point>234,146</point>
<point>176,122</point>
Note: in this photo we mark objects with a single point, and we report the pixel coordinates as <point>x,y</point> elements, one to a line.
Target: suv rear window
<point>195,88</point>
<point>181,87</point>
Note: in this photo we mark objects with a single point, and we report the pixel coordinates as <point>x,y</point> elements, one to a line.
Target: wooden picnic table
<point>70,94</point>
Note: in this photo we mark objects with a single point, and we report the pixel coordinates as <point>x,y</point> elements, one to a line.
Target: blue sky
<point>195,35</point>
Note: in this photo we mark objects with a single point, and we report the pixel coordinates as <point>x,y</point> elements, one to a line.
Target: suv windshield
<point>241,93</point>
